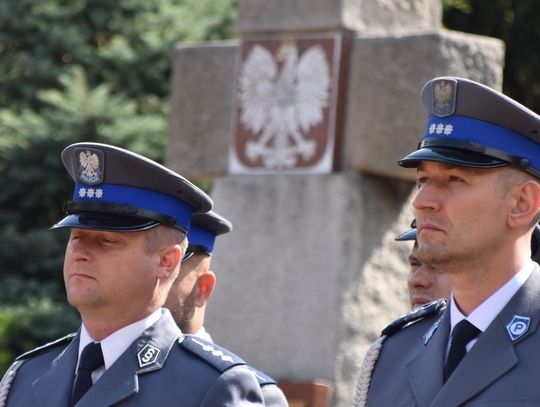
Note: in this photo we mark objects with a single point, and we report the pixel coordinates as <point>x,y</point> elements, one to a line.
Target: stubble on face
<point>186,311</point>
<point>436,254</point>
<point>183,294</point>
<point>463,207</point>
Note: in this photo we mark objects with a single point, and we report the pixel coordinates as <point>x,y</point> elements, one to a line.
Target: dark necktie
<point>91,359</point>
<point>462,334</point>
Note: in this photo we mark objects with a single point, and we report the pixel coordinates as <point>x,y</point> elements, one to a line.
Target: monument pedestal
<point>311,272</point>
<point>383,117</point>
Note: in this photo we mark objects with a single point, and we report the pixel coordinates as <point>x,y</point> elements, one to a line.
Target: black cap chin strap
<point>73,207</point>
<point>193,249</point>
<point>188,255</point>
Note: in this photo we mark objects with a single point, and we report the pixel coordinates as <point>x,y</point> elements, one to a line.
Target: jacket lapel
<point>490,358</point>
<point>146,354</point>
<point>424,371</point>
<point>494,354</point>
<point>54,387</point>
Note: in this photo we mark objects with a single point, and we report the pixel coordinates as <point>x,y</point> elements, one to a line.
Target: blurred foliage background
<point>517,24</point>
<point>96,70</point>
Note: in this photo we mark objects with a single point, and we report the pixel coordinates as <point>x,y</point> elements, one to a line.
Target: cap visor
<point>187,256</point>
<point>408,235</point>
<point>453,156</point>
<point>108,222</point>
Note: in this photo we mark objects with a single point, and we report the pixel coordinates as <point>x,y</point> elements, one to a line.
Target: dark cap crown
<point>472,125</point>
<point>118,190</point>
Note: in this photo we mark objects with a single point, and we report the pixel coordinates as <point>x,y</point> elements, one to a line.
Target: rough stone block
<point>384,119</point>
<point>311,272</point>
<point>362,16</point>
<point>200,129</point>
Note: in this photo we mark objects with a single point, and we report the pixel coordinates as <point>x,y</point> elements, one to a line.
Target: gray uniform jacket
<point>161,368</point>
<point>273,396</point>
<point>501,369</point>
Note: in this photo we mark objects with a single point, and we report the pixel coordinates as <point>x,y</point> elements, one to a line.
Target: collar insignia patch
<point>429,334</point>
<point>518,326</point>
<point>147,355</point>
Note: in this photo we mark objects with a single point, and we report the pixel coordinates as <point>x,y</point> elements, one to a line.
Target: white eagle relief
<point>443,94</point>
<point>89,170</point>
<point>282,105</point>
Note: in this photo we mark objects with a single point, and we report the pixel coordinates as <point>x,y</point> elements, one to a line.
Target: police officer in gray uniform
<point>478,201</point>
<point>193,288</point>
<point>128,219</point>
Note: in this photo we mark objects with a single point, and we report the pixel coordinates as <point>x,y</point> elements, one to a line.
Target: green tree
<point>126,43</point>
<point>514,22</point>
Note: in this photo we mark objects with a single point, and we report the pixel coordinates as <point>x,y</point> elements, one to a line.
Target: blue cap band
<point>487,134</point>
<point>137,197</point>
<point>201,237</point>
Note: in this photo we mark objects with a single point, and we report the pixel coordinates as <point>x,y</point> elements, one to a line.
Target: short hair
<point>160,236</point>
<point>536,219</point>
<point>514,176</point>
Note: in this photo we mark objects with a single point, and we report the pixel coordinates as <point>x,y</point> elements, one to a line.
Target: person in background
<point>128,221</point>
<point>424,282</point>
<point>193,288</point>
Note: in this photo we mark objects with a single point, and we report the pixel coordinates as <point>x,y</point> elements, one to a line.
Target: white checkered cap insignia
<point>90,193</point>
<point>147,355</point>
<point>440,128</point>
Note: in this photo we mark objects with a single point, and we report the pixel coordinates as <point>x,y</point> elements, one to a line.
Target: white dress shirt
<point>486,312</point>
<point>116,343</point>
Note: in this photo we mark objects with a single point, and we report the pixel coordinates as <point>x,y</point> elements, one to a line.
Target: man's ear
<point>526,204</point>
<point>206,283</point>
<point>169,258</point>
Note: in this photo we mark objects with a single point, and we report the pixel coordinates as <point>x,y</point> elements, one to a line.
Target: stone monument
<point>311,273</point>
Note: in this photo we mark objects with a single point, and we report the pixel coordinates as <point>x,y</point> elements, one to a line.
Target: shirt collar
<point>486,312</point>
<point>203,333</point>
<point>117,342</point>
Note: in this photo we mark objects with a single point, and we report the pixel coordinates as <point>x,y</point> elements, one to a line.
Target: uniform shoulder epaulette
<point>262,377</point>
<point>220,358</point>
<point>425,311</point>
<point>45,348</point>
